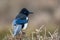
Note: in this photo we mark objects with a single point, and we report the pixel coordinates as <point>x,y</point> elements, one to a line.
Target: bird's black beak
<point>31,13</point>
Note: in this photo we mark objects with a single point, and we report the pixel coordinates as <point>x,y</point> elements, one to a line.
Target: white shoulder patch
<point>26,18</point>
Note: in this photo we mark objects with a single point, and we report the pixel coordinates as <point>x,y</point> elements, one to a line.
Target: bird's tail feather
<point>17,30</point>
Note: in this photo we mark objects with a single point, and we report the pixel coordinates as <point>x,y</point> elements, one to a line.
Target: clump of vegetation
<point>38,34</point>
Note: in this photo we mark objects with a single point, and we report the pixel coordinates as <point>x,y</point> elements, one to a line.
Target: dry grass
<point>38,34</point>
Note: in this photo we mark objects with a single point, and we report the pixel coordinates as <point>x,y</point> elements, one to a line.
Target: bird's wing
<point>17,30</point>
<point>14,22</point>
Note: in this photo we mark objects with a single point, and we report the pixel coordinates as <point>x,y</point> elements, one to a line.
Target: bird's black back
<point>21,16</point>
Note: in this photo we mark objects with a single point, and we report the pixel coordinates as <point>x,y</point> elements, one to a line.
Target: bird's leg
<point>19,36</point>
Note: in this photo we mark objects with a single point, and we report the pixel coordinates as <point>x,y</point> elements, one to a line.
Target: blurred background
<point>44,12</point>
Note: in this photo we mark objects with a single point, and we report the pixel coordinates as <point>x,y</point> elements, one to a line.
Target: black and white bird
<point>21,21</point>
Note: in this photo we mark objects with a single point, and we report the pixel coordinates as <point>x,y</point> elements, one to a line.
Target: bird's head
<point>25,12</point>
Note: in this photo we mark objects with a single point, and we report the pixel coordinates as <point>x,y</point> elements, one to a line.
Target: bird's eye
<point>25,12</point>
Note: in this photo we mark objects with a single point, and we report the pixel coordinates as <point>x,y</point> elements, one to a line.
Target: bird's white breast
<point>26,24</point>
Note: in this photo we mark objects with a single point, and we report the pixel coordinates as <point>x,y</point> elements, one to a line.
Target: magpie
<point>21,21</point>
